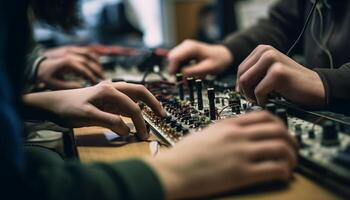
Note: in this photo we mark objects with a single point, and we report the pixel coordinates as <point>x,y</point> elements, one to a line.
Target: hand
<point>266,70</point>
<point>211,59</point>
<point>228,155</point>
<point>69,59</point>
<point>99,105</point>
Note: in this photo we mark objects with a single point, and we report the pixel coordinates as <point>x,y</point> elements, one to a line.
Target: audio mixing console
<point>324,140</point>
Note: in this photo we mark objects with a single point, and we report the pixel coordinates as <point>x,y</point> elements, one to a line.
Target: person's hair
<point>58,13</point>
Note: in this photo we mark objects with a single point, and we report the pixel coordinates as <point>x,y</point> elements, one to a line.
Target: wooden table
<point>93,146</point>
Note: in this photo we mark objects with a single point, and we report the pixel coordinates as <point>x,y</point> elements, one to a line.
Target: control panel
<point>191,105</point>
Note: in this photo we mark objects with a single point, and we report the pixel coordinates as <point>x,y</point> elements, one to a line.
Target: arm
<point>55,179</point>
<point>336,83</point>
<point>99,105</point>
<point>279,30</point>
<point>254,148</point>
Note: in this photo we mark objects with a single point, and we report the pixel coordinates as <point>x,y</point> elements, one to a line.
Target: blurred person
<point>49,66</point>
<point>266,69</point>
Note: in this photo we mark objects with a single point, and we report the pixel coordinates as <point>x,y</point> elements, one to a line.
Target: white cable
<point>322,45</point>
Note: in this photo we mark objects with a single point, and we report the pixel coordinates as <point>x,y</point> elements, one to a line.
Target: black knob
<point>206,112</point>
<point>282,114</point>
<point>271,107</point>
<point>180,85</point>
<point>311,134</point>
<point>173,123</point>
<point>199,94</point>
<point>329,134</point>
<point>185,131</point>
<point>190,81</point>
<point>178,127</point>
<point>168,119</point>
<point>211,98</point>
<point>298,133</point>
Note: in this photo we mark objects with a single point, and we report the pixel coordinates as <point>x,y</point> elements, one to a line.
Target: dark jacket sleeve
<point>337,87</point>
<point>33,61</point>
<point>280,30</point>
<point>52,178</point>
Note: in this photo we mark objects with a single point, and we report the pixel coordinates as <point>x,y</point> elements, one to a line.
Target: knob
<point>199,94</point>
<point>190,81</point>
<point>271,107</point>
<point>329,134</point>
<point>185,131</point>
<point>168,119</point>
<point>173,123</point>
<point>282,114</point>
<point>180,85</point>
<point>211,98</point>
<point>311,134</point>
<point>178,127</point>
<point>298,133</point>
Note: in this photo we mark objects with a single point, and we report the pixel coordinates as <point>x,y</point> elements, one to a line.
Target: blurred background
<point>155,23</point>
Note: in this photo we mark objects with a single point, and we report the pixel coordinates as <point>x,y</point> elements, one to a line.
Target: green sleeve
<point>54,179</point>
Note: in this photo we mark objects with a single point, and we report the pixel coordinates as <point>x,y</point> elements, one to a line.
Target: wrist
<point>169,175</point>
<point>320,90</point>
<point>42,100</point>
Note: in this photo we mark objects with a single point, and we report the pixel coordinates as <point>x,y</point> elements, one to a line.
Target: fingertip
<point>162,113</point>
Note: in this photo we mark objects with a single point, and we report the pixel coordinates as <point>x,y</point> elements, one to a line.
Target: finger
<point>62,84</point>
<point>108,120</point>
<point>140,93</point>
<point>265,87</point>
<point>252,118</point>
<point>253,75</point>
<point>199,70</point>
<point>92,66</point>
<point>270,171</point>
<point>269,130</point>
<point>130,109</point>
<point>185,51</point>
<point>79,69</point>
<point>252,58</point>
<point>86,52</point>
<point>272,150</point>
<point>97,69</point>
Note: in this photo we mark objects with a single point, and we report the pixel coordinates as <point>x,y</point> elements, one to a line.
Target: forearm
<point>42,106</point>
<point>42,100</point>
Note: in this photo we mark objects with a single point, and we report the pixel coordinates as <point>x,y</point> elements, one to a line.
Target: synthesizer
<point>191,105</point>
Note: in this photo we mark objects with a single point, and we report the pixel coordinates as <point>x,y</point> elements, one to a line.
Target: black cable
<point>304,28</point>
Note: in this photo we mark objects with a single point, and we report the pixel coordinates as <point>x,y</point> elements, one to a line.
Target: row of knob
<point>199,87</point>
<point>329,129</point>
